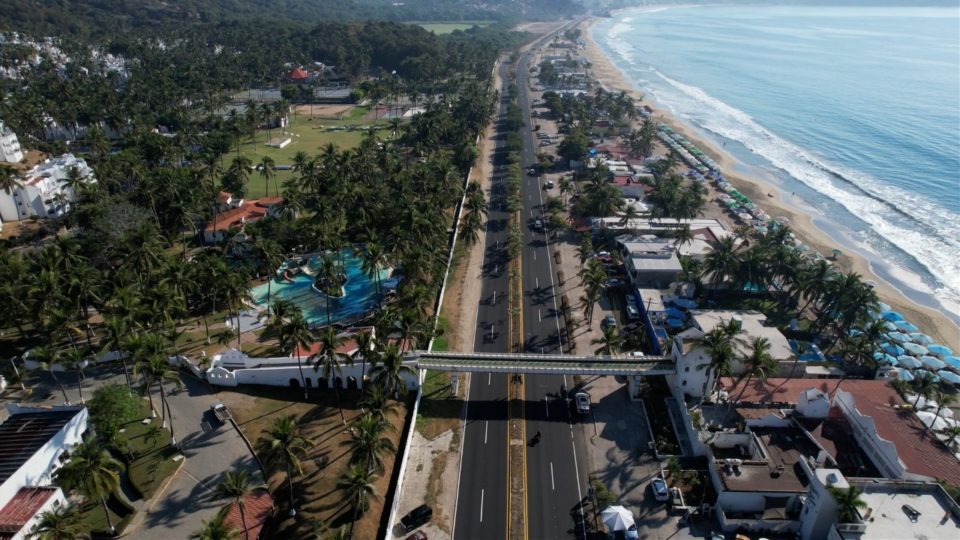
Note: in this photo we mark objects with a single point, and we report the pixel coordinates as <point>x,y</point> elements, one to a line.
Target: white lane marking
<point>491,331</point>
<point>489,376</point>
<point>494,297</point>
<point>486,425</point>
<point>534,254</point>
<point>539,316</point>
<point>553,486</point>
<point>537,282</point>
<point>576,470</point>
<point>546,406</point>
<point>481,506</point>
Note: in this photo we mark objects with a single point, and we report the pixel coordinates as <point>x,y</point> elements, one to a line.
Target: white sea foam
<point>913,223</point>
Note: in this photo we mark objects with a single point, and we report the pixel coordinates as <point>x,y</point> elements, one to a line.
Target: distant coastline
<point>751,181</point>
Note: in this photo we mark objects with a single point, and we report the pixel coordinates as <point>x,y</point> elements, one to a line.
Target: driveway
<point>210,453</point>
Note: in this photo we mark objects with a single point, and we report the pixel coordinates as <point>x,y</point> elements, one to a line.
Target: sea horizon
<point>848,109</point>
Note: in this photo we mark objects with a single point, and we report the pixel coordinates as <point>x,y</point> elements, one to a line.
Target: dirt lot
<point>324,110</point>
<point>318,499</point>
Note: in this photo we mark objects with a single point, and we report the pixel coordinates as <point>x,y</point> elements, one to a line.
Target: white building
<point>649,260</point>
<point>43,192</point>
<point>692,357</point>
<point>10,151</point>
<point>32,442</point>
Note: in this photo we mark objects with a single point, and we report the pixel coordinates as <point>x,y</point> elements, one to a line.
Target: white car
<point>545,142</point>
<point>583,402</point>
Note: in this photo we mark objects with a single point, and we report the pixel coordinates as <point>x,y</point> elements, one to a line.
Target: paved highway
<point>482,498</point>
<point>556,478</point>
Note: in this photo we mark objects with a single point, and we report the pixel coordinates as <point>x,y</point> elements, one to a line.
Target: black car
<point>416,517</point>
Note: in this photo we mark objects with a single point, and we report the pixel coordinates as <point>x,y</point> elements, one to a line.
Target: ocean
<point>855,111</point>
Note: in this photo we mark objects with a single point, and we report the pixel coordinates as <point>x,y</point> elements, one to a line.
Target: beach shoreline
<point>769,196</point>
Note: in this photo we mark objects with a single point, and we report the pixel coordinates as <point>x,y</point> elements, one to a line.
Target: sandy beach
<point>935,323</point>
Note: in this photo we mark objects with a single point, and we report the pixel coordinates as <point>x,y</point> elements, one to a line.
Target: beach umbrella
<point>675,313</point>
<point>932,363</point>
<point>884,358</point>
<point>940,350</point>
<point>950,377</point>
<point>891,315</point>
<point>934,422</point>
<point>892,349</point>
<point>617,518</point>
<point>915,349</point>
<point>905,326</point>
<point>922,339</point>
<point>883,306</point>
<point>890,326</point>
<point>952,361</point>
<point>674,323</point>
<point>907,361</point>
<point>905,375</point>
<point>899,337</point>
<point>685,303</point>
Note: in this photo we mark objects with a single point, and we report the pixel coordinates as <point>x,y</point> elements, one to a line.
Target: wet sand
<point>765,194</point>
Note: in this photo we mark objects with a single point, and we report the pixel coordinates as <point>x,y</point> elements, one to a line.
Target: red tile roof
<point>917,446</point>
<point>22,507</point>
<point>257,508</point>
<point>248,212</point>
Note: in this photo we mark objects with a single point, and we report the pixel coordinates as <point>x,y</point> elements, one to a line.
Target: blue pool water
<point>361,293</point>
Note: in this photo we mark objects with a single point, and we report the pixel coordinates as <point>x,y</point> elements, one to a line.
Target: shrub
<point>111,407</point>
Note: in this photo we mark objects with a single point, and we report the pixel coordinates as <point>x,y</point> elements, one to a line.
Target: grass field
<point>441,28</point>
<point>308,135</point>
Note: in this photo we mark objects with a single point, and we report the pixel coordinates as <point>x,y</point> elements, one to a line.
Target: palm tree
<point>848,503</point>
<point>719,345</point>
<point>267,172</point>
<point>373,258</point>
<point>388,374</point>
<point>47,357</point>
<point>10,182</point>
<point>722,261</point>
<point>758,362</point>
<point>60,523</point>
<point>357,486</point>
<point>591,296</point>
<point>158,371</point>
<point>610,342</point>
<point>943,399</point>
<point>269,254</point>
<point>237,485</point>
<point>74,358</point>
<point>93,473</point>
<point>367,445</point>
<point>215,529</point>
<point>377,401</point>
<point>295,333</point>
<point>366,348</point>
<point>285,447</point>
<point>952,433</point>
<point>923,385</point>
<point>328,360</point>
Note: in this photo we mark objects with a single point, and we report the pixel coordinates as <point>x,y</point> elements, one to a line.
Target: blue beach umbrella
<point>949,376</point>
<point>905,326</point>
<point>675,323</point>
<point>920,338</point>
<point>884,358</point>
<point>898,336</point>
<point>952,361</point>
<point>891,315</point>
<point>940,350</point>
<point>932,363</point>
<point>915,349</point>
<point>685,303</point>
<point>892,349</point>
<point>675,313</point>
<point>883,306</point>
<point>907,361</point>
<point>887,325</point>
<point>905,375</point>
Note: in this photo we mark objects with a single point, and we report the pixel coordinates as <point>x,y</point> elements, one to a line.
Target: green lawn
<point>153,462</point>
<point>93,520</point>
<point>307,135</point>
<point>441,28</point>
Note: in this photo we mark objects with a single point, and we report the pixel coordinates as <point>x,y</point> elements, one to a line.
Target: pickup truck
<point>221,412</point>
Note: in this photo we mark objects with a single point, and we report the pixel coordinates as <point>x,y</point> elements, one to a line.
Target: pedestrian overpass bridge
<point>546,364</point>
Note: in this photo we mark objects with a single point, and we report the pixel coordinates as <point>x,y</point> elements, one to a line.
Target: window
<point>684,383</point>
<point>687,369</point>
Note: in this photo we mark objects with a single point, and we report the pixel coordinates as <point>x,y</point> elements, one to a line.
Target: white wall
<point>882,452</point>
<point>38,470</point>
<point>813,404</point>
<point>279,371</point>
<point>691,377</point>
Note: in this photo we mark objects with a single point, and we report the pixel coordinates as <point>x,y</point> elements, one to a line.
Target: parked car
<point>416,517</point>
<point>419,535</point>
<point>221,412</point>
<point>531,171</point>
<point>633,313</point>
<point>659,488</point>
<point>548,184</point>
<point>609,321</point>
<point>614,282</point>
<point>545,142</point>
<point>583,402</point>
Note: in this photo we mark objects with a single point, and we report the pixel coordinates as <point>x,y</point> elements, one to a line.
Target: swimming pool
<point>360,296</point>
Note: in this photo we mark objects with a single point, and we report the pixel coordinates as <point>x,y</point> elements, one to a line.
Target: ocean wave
<point>914,224</point>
